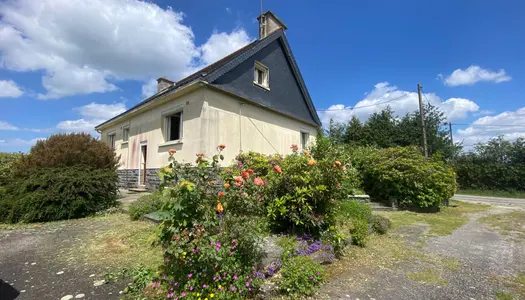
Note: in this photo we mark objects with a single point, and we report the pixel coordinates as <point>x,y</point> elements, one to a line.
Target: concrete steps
<point>376,206</point>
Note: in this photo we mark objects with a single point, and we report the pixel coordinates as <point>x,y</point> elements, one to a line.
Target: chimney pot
<point>163,83</point>
<point>268,23</point>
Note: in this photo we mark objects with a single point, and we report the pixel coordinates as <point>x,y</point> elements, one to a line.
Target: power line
<point>494,125</point>
<point>359,107</point>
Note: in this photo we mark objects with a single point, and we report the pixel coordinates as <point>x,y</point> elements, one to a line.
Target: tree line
<point>497,164</point>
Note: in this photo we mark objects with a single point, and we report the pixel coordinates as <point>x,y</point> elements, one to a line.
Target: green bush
<point>379,224</point>
<point>304,192</point>
<point>359,232</point>
<point>495,165</point>
<point>301,276</point>
<point>354,210</point>
<point>145,205</point>
<point>404,174</point>
<point>6,162</point>
<point>66,150</point>
<point>51,194</point>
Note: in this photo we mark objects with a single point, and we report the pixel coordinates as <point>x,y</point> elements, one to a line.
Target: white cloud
<point>149,88</point>
<point>7,126</point>
<point>484,112</point>
<point>221,44</point>
<point>92,115</point>
<point>510,124</point>
<point>400,101</point>
<point>8,88</point>
<point>101,111</point>
<point>474,74</point>
<point>17,143</point>
<point>86,46</point>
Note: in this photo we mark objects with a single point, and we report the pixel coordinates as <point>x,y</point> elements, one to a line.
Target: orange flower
<point>306,153</point>
<point>222,146</point>
<point>294,148</point>
<point>338,185</point>
<point>221,194</point>
<point>201,154</point>
<point>277,169</point>
<point>226,185</point>
<point>220,209</point>
<point>172,151</point>
<point>238,179</point>
<point>312,162</point>
<point>337,163</point>
<point>250,171</point>
<point>343,168</point>
<point>258,181</point>
<point>245,175</point>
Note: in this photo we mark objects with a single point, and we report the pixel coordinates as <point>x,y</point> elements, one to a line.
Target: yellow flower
<point>220,286</point>
<point>212,295</point>
<point>198,294</point>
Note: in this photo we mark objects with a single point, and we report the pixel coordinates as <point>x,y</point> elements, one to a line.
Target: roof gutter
<point>153,102</point>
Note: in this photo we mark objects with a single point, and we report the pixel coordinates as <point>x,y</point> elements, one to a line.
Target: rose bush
<point>210,245</point>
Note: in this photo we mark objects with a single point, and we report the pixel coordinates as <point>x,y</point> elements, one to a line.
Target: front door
<point>144,155</point>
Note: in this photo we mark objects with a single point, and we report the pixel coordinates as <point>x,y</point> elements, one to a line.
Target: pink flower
<point>189,275</point>
<point>204,286</point>
<point>247,284</point>
<point>258,181</point>
<point>233,288</point>
<point>183,294</point>
<point>235,277</point>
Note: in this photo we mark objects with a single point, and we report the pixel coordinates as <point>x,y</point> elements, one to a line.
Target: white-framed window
<point>261,75</point>
<point>125,134</point>
<point>111,140</point>
<point>304,139</point>
<point>173,126</point>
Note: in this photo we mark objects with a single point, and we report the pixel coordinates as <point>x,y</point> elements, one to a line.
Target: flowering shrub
<point>210,248</point>
<point>301,276</point>
<point>304,192</point>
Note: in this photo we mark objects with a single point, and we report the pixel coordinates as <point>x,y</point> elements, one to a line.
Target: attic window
<point>261,75</point>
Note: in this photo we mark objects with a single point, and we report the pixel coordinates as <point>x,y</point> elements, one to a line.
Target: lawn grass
<point>493,193</point>
<point>506,224</point>
<point>516,283</point>
<point>440,223</point>
<point>428,276</point>
<point>504,296</point>
<point>116,242</point>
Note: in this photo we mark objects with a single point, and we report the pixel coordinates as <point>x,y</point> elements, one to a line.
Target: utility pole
<point>450,132</point>
<point>422,114</point>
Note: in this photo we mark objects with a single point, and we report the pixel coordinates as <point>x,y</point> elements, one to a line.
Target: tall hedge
<point>495,165</point>
<point>6,162</point>
<point>66,150</point>
<point>65,176</point>
<point>404,174</point>
<point>51,194</point>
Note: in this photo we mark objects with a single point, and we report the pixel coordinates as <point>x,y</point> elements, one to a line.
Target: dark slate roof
<point>219,68</point>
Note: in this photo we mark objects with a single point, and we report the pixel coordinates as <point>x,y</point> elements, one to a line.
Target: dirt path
<point>474,262</point>
<point>38,261</point>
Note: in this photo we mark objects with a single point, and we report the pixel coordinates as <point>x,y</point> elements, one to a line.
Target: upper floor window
<point>174,126</point>
<point>111,140</point>
<point>261,75</point>
<point>125,134</point>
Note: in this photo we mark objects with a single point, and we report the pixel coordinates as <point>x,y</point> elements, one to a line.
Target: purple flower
<point>189,275</point>
<point>234,241</point>
<point>235,277</point>
<point>240,291</point>
<point>204,286</point>
<point>233,288</point>
<point>176,284</point>
<point>214,278</point>
<point>247,284</point>
<point>183,294</point>
<point>212,243</point>
<point>219,234</point>
<point>191,288</point>
<point>311,277</point>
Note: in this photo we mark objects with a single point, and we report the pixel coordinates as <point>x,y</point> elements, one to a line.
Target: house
<point>254,99</point>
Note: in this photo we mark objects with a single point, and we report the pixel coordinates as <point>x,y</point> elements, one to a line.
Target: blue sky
<point>66,65</point>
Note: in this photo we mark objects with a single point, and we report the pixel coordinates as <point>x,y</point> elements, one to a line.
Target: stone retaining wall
<point>129,178</point>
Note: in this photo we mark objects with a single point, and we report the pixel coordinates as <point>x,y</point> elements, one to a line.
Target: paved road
<point>498,201</point>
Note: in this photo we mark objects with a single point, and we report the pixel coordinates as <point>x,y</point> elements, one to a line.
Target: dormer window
<point>261,75</point>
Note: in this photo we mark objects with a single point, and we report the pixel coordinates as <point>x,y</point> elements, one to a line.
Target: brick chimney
<point>268,23</point>
<point>163,83</point>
